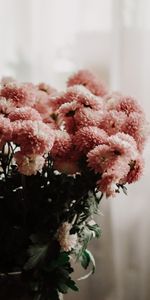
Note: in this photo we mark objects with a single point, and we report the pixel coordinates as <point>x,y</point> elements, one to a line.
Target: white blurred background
<point>46,40</point>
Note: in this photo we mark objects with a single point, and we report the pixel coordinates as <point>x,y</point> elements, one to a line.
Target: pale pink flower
<point>119,169</point>
<point>88,117</point>
<point>6,80</point>
<point>86,138</point>
<point>6,106</point>
<point>61,98</point>
<point>43,104</point>
<point>25,113</point>
<point>46,88</point>
<point>52,122</point>
<point>45,109</point>
<point>62,144</point>
<point>29,164</point>
<point>75,117</point>
<point>113,121</point>
<point>136,126</point>
<point>136,170</point>
<point>5,130</point>
<point>66,240</point>
<point>113,161</point>
<point>129,105</point>
<point>111,100</point>
<point>101,158</point>
<point>80,94</point>
<point>68,109</point>
<point>90,81</point>
<point>107,185</point>
<point>20,94</point>
<point>110,178</point>
<point>104,157</point>
<point>123,144</point>
<point>34,137</point>
<point>65,116</point>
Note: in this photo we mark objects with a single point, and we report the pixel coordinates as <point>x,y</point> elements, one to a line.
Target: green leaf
<point>72,285</point>
<point>95,229</point>
<point>93,204</point>
<point>62,259</point>
<point>86,236</point>
<point>63,287</point>
<point>54,295</point>
<point>84,259</point>
<point>37,253</point>
<point>92,261</point>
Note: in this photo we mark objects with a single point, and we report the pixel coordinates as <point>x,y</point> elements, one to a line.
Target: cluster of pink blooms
<point>86,123</point>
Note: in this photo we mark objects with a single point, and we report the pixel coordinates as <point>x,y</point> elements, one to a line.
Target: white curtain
<point>49,39</point>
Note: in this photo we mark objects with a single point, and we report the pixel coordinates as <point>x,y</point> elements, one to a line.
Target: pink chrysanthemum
<point>111,100</point>
<point>34,137</point>
<point>83,96</point>
<point>128,105</point>
<point>137,127</point>
<point>107,185</point>
<point>62,145</point>
<point>6,106</point>
<point>70,125</point>
<point>86,138</point>
<point>90,81</point>
<point>75,116</point>
<point>61,98</point>
<point>29,164</point>
<point>66,114</point>
<point>20,94</point>
<point>136,170</point>
<point>5,130</point>
<point>42,108</point>
<point>110,178</point>
<point>79,94</point>
<point>25,113</point>
<point>52,122</point>
<point>68,109</point>
<point>46,88</point>
<point>86,98</point>
<point>124,145</point>
<point>66,240</point>
<point>104,157</point>
<point>113,121</point>
<point>101,158</point>
<point>6,80</point>
<point>42,104</point>
<point>119,169</point>
<point>88,117</point>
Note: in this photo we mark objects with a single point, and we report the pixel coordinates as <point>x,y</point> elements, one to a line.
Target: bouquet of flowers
<point>60,152</point>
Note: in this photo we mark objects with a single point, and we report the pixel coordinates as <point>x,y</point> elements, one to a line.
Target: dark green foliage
<point>31,211</point>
